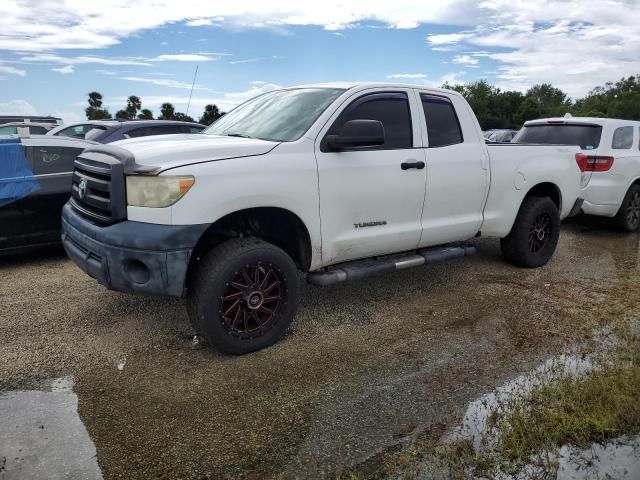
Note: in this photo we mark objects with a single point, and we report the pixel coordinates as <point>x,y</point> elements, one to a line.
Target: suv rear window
<point>587,136</point>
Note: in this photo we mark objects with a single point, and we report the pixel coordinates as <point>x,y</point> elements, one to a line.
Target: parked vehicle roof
<point>29,124</point>
<point>571,119</point>
<point>29,118</point>
<point>107,131</point>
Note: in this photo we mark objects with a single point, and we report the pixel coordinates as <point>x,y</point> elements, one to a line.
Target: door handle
<point>417,165</point>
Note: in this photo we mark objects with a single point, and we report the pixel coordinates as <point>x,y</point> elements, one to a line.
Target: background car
<point>29,118</point>
<point>610,158</point>
<point>25,128</point>
<point>35,182</point>
<point>107,131</point>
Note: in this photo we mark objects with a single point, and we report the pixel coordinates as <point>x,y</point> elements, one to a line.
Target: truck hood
<point>169,151</point>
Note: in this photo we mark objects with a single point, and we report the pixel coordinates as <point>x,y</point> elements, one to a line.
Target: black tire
<point>243,270</point>
<point>534,235</point>
<point>628,217</point>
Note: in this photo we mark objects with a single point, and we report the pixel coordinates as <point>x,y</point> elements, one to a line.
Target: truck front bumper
<point>132,257</point>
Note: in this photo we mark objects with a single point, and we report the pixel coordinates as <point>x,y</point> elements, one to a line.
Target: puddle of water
<point>475,421</point>
<point>617,459</point>
<point>42,436</point>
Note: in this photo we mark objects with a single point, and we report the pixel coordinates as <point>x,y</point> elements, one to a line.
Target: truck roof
<point>361,85</point>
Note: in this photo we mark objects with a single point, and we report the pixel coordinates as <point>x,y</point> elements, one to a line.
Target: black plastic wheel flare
<point>252,300</point>
<point>539,232</point>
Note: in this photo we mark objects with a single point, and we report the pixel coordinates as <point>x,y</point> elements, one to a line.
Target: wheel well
<point>275,225</point>
<point>547,190</point>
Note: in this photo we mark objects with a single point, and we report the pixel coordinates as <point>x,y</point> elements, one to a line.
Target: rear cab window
<point>586,135</point>
<point>443,126</point>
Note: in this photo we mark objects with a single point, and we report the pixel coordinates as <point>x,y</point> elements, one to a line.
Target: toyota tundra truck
<point>331,182</point>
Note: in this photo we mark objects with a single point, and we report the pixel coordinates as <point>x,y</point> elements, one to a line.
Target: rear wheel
<point>534,236</point>
<point>628,217</point>
<point>243,295</point>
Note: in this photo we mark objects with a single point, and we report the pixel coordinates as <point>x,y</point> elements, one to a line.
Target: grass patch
<point>599,406</point>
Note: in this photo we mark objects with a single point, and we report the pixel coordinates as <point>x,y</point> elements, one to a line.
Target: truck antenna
<point>191,92</point>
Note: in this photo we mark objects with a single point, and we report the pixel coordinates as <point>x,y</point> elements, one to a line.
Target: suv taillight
<point>593,163</point>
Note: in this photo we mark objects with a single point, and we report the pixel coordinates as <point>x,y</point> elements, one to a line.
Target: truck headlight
<point>156,192</point>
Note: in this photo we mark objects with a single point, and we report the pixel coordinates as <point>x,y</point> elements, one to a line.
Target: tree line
<point>133,110</point>
<point>495,108</point>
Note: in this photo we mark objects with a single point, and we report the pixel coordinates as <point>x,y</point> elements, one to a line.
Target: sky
<point>53,52</point>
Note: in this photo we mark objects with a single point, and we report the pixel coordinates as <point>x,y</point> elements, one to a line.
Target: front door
<point>52,167</point>
<point>370,203</point>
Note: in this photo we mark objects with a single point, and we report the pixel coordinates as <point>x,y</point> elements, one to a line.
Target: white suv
<point>611,158</point>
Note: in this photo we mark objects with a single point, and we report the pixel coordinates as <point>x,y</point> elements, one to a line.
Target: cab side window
<point>622,138</point>
<point>391,109</point>
<point>443,127</point>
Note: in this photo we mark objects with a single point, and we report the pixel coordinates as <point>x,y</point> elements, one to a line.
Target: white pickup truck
<point>610,159</point>
<point>335,181</point>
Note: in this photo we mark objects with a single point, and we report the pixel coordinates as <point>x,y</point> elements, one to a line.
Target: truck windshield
<point>585,135</point>
<point>280,116</point>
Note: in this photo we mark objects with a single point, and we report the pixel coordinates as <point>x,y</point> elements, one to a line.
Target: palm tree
<point>134,104</point>
<point>95,99</point>
<point>210,115</point>
<point>166,112</point>
<point>145,114</point>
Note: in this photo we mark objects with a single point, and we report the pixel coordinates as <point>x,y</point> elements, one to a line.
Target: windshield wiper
<point>241,135</point>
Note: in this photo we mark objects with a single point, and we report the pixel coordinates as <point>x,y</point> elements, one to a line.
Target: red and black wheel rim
<point>539,232</point>
<point>252,300</point>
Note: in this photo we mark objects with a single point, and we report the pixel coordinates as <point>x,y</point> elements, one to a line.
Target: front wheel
<point>534,236</point>
<point>243,295</point>
<point>628,217</point>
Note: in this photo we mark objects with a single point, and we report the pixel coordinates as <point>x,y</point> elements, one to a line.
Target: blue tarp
<point>16,178</point>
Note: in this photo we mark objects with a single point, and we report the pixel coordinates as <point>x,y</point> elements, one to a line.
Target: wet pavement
<point>368,365</point>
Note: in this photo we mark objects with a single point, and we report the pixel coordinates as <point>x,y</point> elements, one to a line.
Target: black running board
<point>364,269</point>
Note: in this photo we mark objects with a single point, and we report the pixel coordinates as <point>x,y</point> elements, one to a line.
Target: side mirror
<point>357,134</point>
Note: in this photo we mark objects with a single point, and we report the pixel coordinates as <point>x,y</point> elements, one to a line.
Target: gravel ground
<point>367,365</point>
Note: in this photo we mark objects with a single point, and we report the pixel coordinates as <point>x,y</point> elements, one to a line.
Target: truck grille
<point>97,189</point>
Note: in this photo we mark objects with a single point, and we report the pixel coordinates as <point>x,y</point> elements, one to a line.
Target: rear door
<point>457,169</point>
<point>370,203</point>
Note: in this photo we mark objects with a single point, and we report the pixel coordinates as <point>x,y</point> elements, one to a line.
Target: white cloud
<point>465,60</point>
<point>66,70</point>
<point>407,75</point>
<point>82,60</point>
<point>17,107</point>
<point>165,82</point>
<point>48,58</point>
<point>91,24</point>
<point>106,72</point>
<point>446,39</point>
<point>246,60</point>
<point>12,70</point>
<point>69,117</point>
<point>182,57</point>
